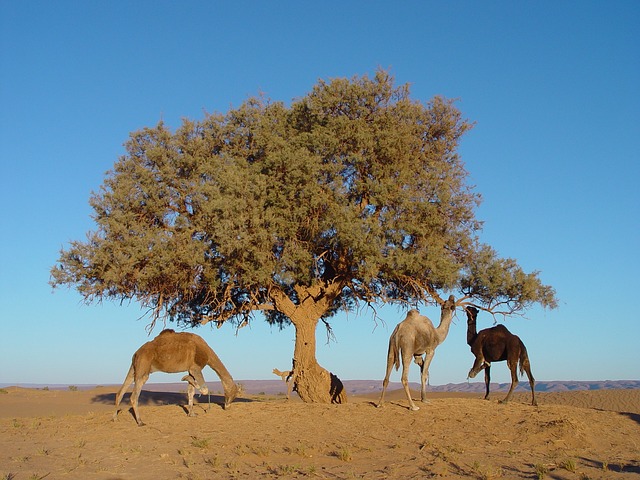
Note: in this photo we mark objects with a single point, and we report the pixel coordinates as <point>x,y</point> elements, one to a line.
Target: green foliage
<point>501,284</point>
<point>354,184</point>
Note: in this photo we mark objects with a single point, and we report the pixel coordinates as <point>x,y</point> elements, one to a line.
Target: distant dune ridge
<point>363,387</point>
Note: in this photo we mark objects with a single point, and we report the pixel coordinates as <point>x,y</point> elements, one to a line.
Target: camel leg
<point>406,362</point>
<point>289,389</point>
<point>532,383</point>
<point>290,380</point>
<point>385,382</point>
<point>192,385</point>
<point>137,388</point>
<point>487,380</point>
<point>513,366</point>
<point>478,365</point>
<point>424,376</point>
<point>525,366</point>
<point>125,385</point>
<point>191,390</point>
<point>196,373</point>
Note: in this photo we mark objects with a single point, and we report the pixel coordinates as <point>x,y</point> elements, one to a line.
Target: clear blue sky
<point>553,86</point>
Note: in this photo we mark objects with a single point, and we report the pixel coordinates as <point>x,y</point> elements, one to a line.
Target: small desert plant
<point>261,451</point>
<point>73,388</point>
<point>569,465</point>
<point>3,391</point>
<point>541,471</point>
<point>200,442</point>
<point>8,476</point>
<point>232,467</point>
<point>344,454</point>
<point>300,449</point>
<point>213,462</point>
<point>490,474</point>
<point>281,470</point>
<point>239,450</point>
<point>287,469</point>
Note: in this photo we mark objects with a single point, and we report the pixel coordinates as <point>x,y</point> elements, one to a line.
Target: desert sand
<point>70,434</point>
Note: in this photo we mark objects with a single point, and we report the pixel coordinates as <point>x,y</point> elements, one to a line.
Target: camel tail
<point>393,357</point>
<point>524,360</point>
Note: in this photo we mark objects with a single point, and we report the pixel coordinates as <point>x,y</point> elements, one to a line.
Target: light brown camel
<point>288,378</point>
<point>413,337</point>
<point>173,352</point>
<point>497,344</point>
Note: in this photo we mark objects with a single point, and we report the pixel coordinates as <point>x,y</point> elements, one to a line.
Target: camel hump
<point>500,328</point>
<point>413,313</point>
<point>167,330</point>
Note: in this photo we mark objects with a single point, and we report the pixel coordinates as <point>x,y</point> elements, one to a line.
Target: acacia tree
<point>353,194</point>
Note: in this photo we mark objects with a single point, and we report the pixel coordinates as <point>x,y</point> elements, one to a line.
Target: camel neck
<point>443,328</point>
<point>472,331</point>
<point>221,370</point>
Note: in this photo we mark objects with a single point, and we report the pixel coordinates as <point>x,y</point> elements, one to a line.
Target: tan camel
<point>497,344</point>
<point>413,337</point>
<point>288,378</point>
<point>173,352</point>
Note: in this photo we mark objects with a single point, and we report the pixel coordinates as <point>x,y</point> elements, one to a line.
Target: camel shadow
<point>632,416</point>
<point>635,417</point>
<point>151,398</point>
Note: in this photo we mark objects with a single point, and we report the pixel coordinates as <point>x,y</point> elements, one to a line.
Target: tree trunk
<point>313,383</point>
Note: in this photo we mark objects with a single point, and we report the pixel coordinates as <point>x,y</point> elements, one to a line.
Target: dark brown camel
<point>497,344</point>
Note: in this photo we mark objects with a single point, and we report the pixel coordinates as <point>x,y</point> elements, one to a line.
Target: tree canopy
<point>353,193</point>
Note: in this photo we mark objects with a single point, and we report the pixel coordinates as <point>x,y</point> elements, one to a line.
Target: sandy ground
<point>70,434</point>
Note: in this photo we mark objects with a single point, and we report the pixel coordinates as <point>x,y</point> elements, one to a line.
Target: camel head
<point>449,305</point>
<point>230,395</point>
<point>472,317</point>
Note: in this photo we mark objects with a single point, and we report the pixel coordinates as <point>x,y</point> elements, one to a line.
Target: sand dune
<point>570,435</point>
